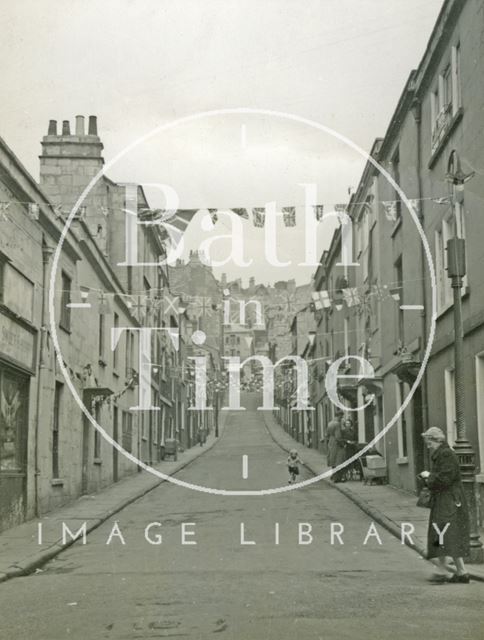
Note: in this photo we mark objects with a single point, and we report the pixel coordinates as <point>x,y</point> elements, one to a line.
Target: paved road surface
<point>245,592</point>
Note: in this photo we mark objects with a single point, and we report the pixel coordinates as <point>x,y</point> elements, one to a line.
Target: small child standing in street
<point>293,462</point>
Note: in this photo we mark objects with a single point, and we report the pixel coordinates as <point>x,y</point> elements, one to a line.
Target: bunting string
<point>159,216</point>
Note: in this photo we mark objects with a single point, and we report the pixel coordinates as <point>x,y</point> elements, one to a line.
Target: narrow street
<point>257,591</point>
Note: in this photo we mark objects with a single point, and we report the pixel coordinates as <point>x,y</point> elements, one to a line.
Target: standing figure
<point>349,439</point>
<point>448,532</point>
<point>334,438</point>
<point>293,462</point>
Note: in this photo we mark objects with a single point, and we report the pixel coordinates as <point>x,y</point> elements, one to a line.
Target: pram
<point>353,470</point>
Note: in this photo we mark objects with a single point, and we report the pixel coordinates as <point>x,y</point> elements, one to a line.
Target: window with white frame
<point>445,98</point>
<point>402,422</point>
<point>450,416</point>
<point>480,407</point>
<point>443,234</point>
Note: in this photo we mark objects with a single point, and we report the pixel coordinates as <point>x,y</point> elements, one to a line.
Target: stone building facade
<point>50,452</point>
<point>439,114</point>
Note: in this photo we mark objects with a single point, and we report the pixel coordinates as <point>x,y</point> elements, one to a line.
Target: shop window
<point>13,421</point>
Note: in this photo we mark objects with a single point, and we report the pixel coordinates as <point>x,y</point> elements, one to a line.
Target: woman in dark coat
<point>336,445</point>
<point>448,512</point>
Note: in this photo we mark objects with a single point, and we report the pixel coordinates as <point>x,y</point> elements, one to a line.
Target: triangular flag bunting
<point>390,208</point>
<point>289,216</point>
<point>34,210</point>
<point>258,216</point>
<point>351,296</point>
<point>318,211</point>
<point>242,213</point>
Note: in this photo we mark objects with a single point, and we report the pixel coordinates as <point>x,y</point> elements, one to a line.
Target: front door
<point>14,402</point>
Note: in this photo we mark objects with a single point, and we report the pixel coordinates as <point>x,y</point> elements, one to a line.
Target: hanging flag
<point>156,302</point>
<point>380,292</point>
<point>351,296</point>
<point>364,306</point>
<point>171,304</point>
<point>395,293</point>
<point>415,204</point>
<point>243,213</point>
<point>390,208</point>
<point>174,334</point>
<point>3,211</point>
<point>202,306</point>
<point>258,217</point>
<point>156,215</point>
<point>34,210</point>
<point>318,211</point>
<point>248,341</point>
<point>322,297</point>
<point>341,210</point>
<point>58,211</point>
<point>289,216</point>
<point>318,305</point>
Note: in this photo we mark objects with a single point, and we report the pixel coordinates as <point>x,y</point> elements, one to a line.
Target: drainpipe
<point>417,114</point>
<point>47,251</point>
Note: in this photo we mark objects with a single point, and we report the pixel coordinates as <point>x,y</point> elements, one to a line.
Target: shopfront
<point>17,349</point>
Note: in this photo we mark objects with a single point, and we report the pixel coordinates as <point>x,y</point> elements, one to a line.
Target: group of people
<point>340,439</point>
<point>448,527</point>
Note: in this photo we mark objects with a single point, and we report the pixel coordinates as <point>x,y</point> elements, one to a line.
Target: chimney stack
<point>92,126</point>
<point>66,128</point>
<point>79,125</point>
<point>52,131</point>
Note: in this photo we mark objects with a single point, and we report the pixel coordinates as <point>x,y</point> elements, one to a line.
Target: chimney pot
<point>52,130</point>
<point>79,125</point>
<point>92,126</point>
<point>66,128</point>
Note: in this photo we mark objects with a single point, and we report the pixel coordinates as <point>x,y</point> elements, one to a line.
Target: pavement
<point>387,505</point>
<point>20,553</point>
<point>263,566</point>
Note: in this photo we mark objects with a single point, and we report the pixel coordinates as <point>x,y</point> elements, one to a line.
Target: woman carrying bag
<point>448,532</point>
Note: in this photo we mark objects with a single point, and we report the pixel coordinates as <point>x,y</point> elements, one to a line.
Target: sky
<point>140,64</point>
